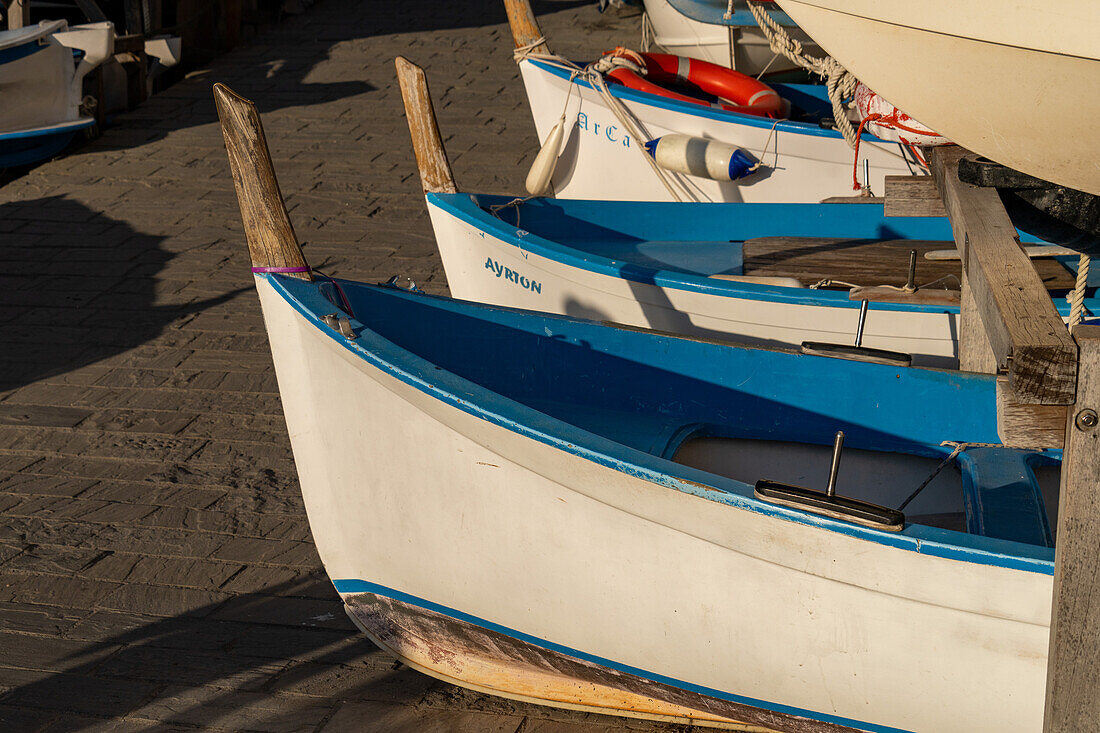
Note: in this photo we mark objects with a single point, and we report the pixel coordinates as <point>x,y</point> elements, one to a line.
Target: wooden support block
<point>913,196</point>
<point>19,14</point>
<point>1024,425</point>
<point>1023,327</point>
<point>1073,663</point>
<point>975,352</point>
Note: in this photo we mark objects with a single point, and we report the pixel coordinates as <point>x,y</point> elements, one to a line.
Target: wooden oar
<point>525,29</point>
<point>271,240</point>
<point>431,157</point>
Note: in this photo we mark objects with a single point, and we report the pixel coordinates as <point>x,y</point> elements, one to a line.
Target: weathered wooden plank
<point>431,156</point>
<point>1024,329</point>
<point>1073,666</point>
<point>525,29</point>
<point>912,196</point>
<point>930,296</point>
<point>1024,425</point>
<point>19,14</point>
<point>975,353</point>
<point>271,239</point>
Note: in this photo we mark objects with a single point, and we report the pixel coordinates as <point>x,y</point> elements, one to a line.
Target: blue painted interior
<point>621,397</point>
<point>1002,497</point>
<point>678,245</point>
<point>712,12</point>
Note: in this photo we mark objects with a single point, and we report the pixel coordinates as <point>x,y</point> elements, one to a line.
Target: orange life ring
<point>738,92</point>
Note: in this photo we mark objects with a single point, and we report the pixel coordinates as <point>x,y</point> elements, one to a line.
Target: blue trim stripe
<point>353,585</point>
<point>480,402</point>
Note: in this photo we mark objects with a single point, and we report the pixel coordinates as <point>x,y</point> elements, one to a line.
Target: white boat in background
<point>1016,82</point>
<point>576,514</point>
<point>42,69</point>
<point>700,30</point>
<point>682,267</point>
<point>802,158</point>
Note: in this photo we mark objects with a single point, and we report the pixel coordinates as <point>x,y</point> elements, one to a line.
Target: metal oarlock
<point>827,502</point>
<point>858,352</point>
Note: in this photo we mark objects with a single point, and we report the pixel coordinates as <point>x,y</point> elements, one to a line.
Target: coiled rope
<point>839,82</point>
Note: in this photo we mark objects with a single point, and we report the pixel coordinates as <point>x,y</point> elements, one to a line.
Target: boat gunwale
<point>463,206</point>
<point>481,402</point>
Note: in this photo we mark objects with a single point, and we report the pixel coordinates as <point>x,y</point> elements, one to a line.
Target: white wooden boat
<point>681,267</point>
<point>699,29</point>
<point>42,68</point>
<point>802,160</point>
<point>564,512</point>
<point>1018,83</point>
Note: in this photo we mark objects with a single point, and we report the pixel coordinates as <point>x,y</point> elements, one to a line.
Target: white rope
<point>1077,297</point>
<point>593,74</point>
<point>839,83</point>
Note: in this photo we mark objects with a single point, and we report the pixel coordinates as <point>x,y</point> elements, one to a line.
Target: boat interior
<point>720,415</point>
<point>846,244</point>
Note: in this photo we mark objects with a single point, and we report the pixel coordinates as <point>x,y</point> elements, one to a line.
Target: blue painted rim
<point>480,402</point>
<point>61,127</point>
<point>354,585</point>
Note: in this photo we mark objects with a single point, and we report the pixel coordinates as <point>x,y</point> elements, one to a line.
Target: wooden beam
<point>1024,425</point>
<point>1024,329</point>
<point>19,14</point>
<point>913,196</point>
<point>525,29</point>
<point>431,157</point>
<point>975,352</point>
<point>271,240</point>
<point>1073,663</point>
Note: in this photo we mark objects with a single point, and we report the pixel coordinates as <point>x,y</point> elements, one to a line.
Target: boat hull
<point>421,496</point>
<point>684,36</point>
<point>487,268</point>
<point>600,161</point>
<point>989,80</point>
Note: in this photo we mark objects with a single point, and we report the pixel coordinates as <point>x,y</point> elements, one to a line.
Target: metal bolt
<point>1086,420</point>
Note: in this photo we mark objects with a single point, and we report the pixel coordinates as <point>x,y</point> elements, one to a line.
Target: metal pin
<point>867,175</point>
<point>862,319</point>
<point>838,446</point>
<point>911,282</point>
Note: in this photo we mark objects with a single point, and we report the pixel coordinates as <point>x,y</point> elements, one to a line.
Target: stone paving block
<point>156,600</point>
<point>82,693</point>
<point>218,708</point>
<point>380,716</point>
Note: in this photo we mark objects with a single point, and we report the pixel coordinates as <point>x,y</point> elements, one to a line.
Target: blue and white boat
<point>680,268</point>
<point>42,69</point>
<point>597,517</point>
<point>605,126</point>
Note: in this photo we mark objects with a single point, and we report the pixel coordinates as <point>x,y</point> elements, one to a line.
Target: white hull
<point>40,83</point>
<point>413,494</point>
<point>1019,85</point>
<point>683,36</point>
<point>599,161</point>
<point>929,336</point>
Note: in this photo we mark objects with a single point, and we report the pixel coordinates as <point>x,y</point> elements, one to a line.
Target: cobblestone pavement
<point>156,565</point>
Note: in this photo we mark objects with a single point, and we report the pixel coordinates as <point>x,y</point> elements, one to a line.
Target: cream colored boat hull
<point>1019,85</point>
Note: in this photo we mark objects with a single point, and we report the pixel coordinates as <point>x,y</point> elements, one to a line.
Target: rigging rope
<point>593,74</point>
<point>1077,297</point>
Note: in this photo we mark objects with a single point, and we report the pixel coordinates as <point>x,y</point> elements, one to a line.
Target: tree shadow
<point>78,287</point>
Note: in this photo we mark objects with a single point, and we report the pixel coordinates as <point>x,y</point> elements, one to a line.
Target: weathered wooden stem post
<point>1073,662</point>
<point>271,240</point>
<point>19,14</point>
<point>1047,397</point>
<point>431,157</point>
